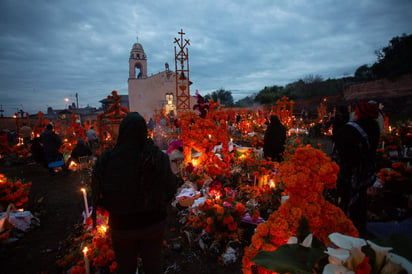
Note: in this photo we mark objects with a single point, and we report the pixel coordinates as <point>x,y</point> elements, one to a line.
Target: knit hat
<point>175,144</point>
<point>366,110</point>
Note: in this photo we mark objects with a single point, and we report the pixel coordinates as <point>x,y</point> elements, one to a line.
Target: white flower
<point>349,253</point>
<point>336,269</point>
<point>337,255</point>
<point>346,242</point>
<point>380,253</point>
<point>292,240</point>
<point>401,261</point>
<point>307,242</point>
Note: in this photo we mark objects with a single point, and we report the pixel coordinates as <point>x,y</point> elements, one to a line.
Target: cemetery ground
<point>57,201</point>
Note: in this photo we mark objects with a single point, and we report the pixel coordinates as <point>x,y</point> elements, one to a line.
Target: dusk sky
<point>53,49</point>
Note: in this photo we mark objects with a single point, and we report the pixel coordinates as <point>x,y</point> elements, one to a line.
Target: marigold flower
<point>262,229</point>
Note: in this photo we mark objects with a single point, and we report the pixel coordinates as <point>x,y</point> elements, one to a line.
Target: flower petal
<point>337,255</point>
<point>307,242</point>
<point>334,268</point>
<point>403,262</point>
<point>346,242</point>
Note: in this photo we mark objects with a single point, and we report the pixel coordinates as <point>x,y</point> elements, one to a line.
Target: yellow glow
<point>194,162</point>
<point>102,229</point>
<point>272,184</point>
<point>83,190</point>
<point>85,249</point>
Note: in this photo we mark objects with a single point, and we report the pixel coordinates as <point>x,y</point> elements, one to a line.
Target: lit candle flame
<point>85,249</point>
<point>83,190</point>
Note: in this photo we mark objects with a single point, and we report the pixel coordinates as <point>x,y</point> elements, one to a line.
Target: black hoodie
<point>133,181</point>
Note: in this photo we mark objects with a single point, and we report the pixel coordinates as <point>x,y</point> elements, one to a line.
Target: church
<point>151,94</point>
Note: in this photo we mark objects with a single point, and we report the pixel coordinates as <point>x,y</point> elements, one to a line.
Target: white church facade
<point>150,94</point>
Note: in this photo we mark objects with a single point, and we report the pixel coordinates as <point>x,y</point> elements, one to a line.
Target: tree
<point>269,95</point>
<point>223,96</point>
<point>246,102</point>
<point>363,73</point>
<point>395,59</point>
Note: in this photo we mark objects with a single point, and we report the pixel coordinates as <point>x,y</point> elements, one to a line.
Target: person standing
<point>135,184</point>
<point>51,144</point>
<point>356,143</point>
<point>91,137</point>
<point>274,139</point>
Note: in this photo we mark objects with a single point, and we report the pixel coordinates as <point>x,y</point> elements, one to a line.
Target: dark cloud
<point>50,50</point>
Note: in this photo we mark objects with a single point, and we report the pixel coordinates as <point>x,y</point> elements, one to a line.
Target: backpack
<point>367,172</point>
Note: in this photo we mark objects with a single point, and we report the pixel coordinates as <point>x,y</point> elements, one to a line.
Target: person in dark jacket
<point>51,144</point>
<point>352,149</point>
<point>135,184</point>
<point>274,139</point>
<point>79,150</point>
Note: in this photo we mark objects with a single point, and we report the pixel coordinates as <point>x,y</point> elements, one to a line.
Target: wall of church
<point>149,95</point>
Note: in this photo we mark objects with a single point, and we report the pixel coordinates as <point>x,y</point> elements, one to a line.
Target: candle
<point>86,261</point>
<point>86,206</point>
<point>383,144</point>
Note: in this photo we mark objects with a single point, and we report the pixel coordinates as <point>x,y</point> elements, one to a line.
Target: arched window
<point>138,71</point>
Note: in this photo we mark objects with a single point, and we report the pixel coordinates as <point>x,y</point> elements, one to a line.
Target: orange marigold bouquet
<point>304,175</point>
<point>397,178</point>
<point>15,192</point>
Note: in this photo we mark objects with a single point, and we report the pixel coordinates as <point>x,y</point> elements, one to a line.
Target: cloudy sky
<point>53,49</point>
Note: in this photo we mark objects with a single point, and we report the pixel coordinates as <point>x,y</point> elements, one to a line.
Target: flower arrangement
<point>397,178</point>
<point>220,217</point>
<point>15,192</point>
<point>346,255</point>
<point>304,175</point>
<point>202,134</point>
<point>97,242</point>
<point>250,164</point>
<point>20,150</point>
<point>396,182</point>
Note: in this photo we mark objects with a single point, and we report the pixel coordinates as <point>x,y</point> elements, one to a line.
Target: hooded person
<point>134,183</point>
<point>356,143</point>
<point>274,139</point>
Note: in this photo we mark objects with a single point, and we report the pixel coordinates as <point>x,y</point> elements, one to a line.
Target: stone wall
<point>380,89</point>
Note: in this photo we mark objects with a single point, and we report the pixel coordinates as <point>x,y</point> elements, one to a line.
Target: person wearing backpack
<point>135,184</point>
<point>356,143</point>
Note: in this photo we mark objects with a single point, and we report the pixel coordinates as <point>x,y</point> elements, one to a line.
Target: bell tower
<point>137,62</point>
